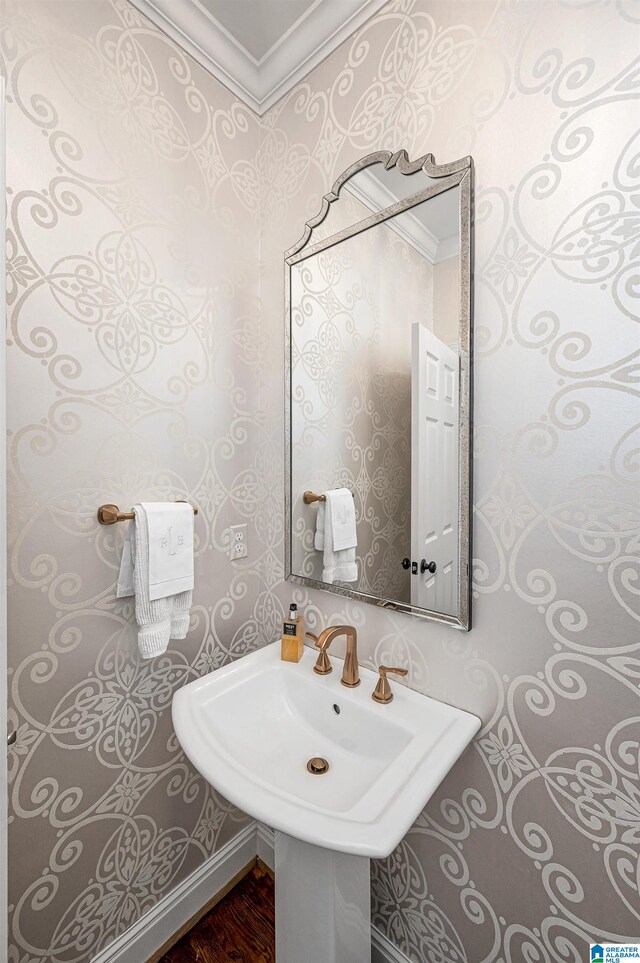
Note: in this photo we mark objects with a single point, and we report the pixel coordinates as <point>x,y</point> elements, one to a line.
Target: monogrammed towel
<point>170,527</point>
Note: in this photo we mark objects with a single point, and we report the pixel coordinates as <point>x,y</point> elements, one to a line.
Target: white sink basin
<point>250,728</point>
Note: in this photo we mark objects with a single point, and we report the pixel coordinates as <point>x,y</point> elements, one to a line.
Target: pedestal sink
<point>253,728</point>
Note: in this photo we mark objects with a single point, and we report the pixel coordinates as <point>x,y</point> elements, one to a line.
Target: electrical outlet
<point>238,542</point>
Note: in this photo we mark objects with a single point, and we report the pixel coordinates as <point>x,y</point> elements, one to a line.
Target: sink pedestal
<point>323,904</point>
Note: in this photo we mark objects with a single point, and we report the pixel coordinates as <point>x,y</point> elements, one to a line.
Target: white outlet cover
<point>238,541</point>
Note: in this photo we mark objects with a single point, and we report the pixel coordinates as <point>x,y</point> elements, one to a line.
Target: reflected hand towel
<point>338,565</point>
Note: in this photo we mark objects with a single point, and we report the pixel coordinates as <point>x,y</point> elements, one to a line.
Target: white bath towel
<point>159,620</point>
<point>337,565</point>
<point>318,538</point>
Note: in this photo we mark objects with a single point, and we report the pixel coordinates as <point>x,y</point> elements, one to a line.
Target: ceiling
<point>259,49</point>
<point>258,27</point>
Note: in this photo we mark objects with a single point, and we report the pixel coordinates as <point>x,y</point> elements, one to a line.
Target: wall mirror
<point>379,388</point>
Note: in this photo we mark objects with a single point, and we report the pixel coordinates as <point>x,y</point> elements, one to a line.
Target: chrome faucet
<point>350,674</point>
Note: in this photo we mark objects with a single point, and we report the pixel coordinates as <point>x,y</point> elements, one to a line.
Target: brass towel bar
<point>110,514</point>
<point>310,497</point>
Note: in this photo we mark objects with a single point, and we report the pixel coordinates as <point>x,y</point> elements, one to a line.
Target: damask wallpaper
<point>134,373</point>
<point>146,213</point>
<point>531,846</point>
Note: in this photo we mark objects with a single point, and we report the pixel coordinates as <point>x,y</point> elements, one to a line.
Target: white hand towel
<point>158,620</point>
<point>343,519</point>
<point>337,565</point>
<point>170,548</point>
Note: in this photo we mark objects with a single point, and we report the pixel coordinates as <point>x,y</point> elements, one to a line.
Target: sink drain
<point>317,766</point>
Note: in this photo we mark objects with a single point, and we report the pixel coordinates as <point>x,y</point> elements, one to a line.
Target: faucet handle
<point>382,692</point>
<point>323,665</point>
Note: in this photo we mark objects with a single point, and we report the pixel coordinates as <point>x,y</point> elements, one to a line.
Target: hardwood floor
<point>239,929</point>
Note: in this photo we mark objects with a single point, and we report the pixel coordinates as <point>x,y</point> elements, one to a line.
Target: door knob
<point>11,738</point>
<point>407,563</point>
<point>427,566</point>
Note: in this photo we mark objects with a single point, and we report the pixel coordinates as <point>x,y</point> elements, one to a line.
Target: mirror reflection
<point>375,361</point>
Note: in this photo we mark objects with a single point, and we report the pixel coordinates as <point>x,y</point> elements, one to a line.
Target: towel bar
<point>310,497</point>
<point>110,514</point>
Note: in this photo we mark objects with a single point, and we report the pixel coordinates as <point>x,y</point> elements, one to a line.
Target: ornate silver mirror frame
<point>456,174</point>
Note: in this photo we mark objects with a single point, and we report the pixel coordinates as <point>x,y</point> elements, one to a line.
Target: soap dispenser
<point>292,636</point>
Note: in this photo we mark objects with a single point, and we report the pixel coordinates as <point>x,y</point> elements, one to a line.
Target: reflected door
<point>434,470</point>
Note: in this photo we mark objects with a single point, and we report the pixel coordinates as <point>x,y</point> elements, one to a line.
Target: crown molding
<point>376,196</point>
<point>259,84</point>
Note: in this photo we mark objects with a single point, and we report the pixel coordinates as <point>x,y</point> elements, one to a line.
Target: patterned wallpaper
<point>531,846</point>
<point>134,367</point>
<point>139,367</point>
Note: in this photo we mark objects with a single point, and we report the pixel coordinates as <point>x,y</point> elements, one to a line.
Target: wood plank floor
<point>239,929</point>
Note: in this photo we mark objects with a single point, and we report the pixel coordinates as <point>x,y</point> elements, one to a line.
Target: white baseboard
<point>266,844</point>
<point>152,930</point>
<point>383,950</point>
<point>169,915</point>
